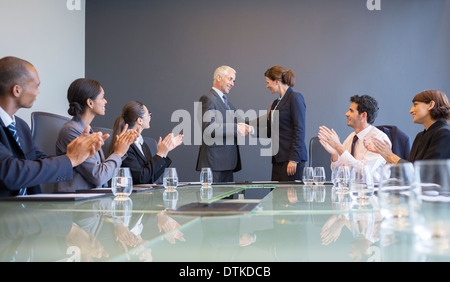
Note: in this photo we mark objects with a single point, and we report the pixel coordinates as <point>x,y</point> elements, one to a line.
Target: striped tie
<point>12,128</point>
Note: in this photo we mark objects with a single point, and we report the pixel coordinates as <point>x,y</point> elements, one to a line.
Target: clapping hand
<point>168,144</point>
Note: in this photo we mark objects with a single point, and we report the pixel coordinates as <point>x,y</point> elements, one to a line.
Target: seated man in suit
<point>360,116</point>
<point>23,166</point>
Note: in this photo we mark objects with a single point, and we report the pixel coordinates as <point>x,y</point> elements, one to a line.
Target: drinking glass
<point>308,175</point>
<point>430,206</point>
<point>170,179</point>
<point>122,183</point>
<point>206,177</point>
<point>319,175</point>
<point>395,185</point>
<point>361,184</point>
<point>341,177</point>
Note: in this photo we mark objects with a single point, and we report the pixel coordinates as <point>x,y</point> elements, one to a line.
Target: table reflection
<point>291,223</point>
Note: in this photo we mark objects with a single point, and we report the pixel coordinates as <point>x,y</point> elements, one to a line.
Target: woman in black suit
<point>431,109</point>
<point>144,167</point>
<point>289,161</point>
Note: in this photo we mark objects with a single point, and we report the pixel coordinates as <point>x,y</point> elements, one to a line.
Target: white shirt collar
<point>139,141</point>
<point>362,134</point>
<point>220,93</point>
<point>7,120</point>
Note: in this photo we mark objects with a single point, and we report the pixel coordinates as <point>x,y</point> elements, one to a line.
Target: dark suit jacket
<point>291,110</point>
<point>432,143</point>
<point>27,166</point>
<point>401,144</point>
<point>224,154</point>
<point>144,168</point>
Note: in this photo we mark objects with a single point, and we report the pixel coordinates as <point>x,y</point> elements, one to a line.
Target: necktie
<point>355,138</point>
<point>225,100</point>
<point>13,129</point>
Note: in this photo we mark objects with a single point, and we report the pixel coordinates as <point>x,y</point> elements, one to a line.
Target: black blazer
<point>27,166</point>
<point>433,143</point>
<point>401,144</point>
<point>145,168</point>
<point>292,111</point>
<point>225,155</point>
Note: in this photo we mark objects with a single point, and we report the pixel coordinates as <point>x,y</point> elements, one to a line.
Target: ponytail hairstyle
<point>441,109</point>
<point>281,74</point>
<point>130,113</point>
<point>79,92</point>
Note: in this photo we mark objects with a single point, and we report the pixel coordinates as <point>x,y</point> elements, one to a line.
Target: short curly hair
<point>366,104</point>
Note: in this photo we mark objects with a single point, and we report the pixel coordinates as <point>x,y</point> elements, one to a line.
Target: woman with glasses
<point>144,166</point>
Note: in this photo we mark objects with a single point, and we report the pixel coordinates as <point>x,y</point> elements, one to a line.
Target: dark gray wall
<point>163,53</point>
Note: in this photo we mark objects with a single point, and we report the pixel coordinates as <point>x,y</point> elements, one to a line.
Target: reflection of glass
<point>308,193</point>
<point>395,183</point>
<point>206,177</point>
<point>319,175</point>
<point>308,174</point>
<point>122,208</point>
<point>170,179</point>
<point>361,185</point>
<point>319,193</point>
<point>122,183</point>
<point>170,198</point>
<point>430,206</point>
<point>341,175</point>
<point>206,193</point>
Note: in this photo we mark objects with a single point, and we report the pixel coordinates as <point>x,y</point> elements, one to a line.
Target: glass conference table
<point>250,222</point>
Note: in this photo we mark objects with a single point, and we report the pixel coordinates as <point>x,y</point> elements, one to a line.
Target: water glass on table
<point>430,206</point>
<point>341,176</point>
<point>361,186</point>
<point>308,175</point>
<point>319,175</point>
<point>122,182</point>
<point>394,190</point>
<point>206,177</point>
<point>170,178</point>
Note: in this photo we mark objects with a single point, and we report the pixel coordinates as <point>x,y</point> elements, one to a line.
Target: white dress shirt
<point>139,141</point>
<point>362,155</point>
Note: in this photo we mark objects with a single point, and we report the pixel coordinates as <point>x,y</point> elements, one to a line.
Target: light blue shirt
<point>220,93</point>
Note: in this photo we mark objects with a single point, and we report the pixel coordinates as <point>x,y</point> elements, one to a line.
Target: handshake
<point>244,129</point>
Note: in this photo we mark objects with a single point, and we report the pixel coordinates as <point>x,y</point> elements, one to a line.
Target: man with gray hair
<point>219,149</point>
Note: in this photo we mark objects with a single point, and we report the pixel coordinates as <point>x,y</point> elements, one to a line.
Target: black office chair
<point>152,144</point>
<point>104,130</point>
<point>318,156</point>
<point>45,129</point>
<point>401,143</point>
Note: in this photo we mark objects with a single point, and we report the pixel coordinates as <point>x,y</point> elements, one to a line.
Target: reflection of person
<point>289,161</point>
<point>362,113</point>
<point>144,167</point>
<point>219,149</point>
<point>431,109</point>
<point>86,100</point>
<point>23,166</point>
